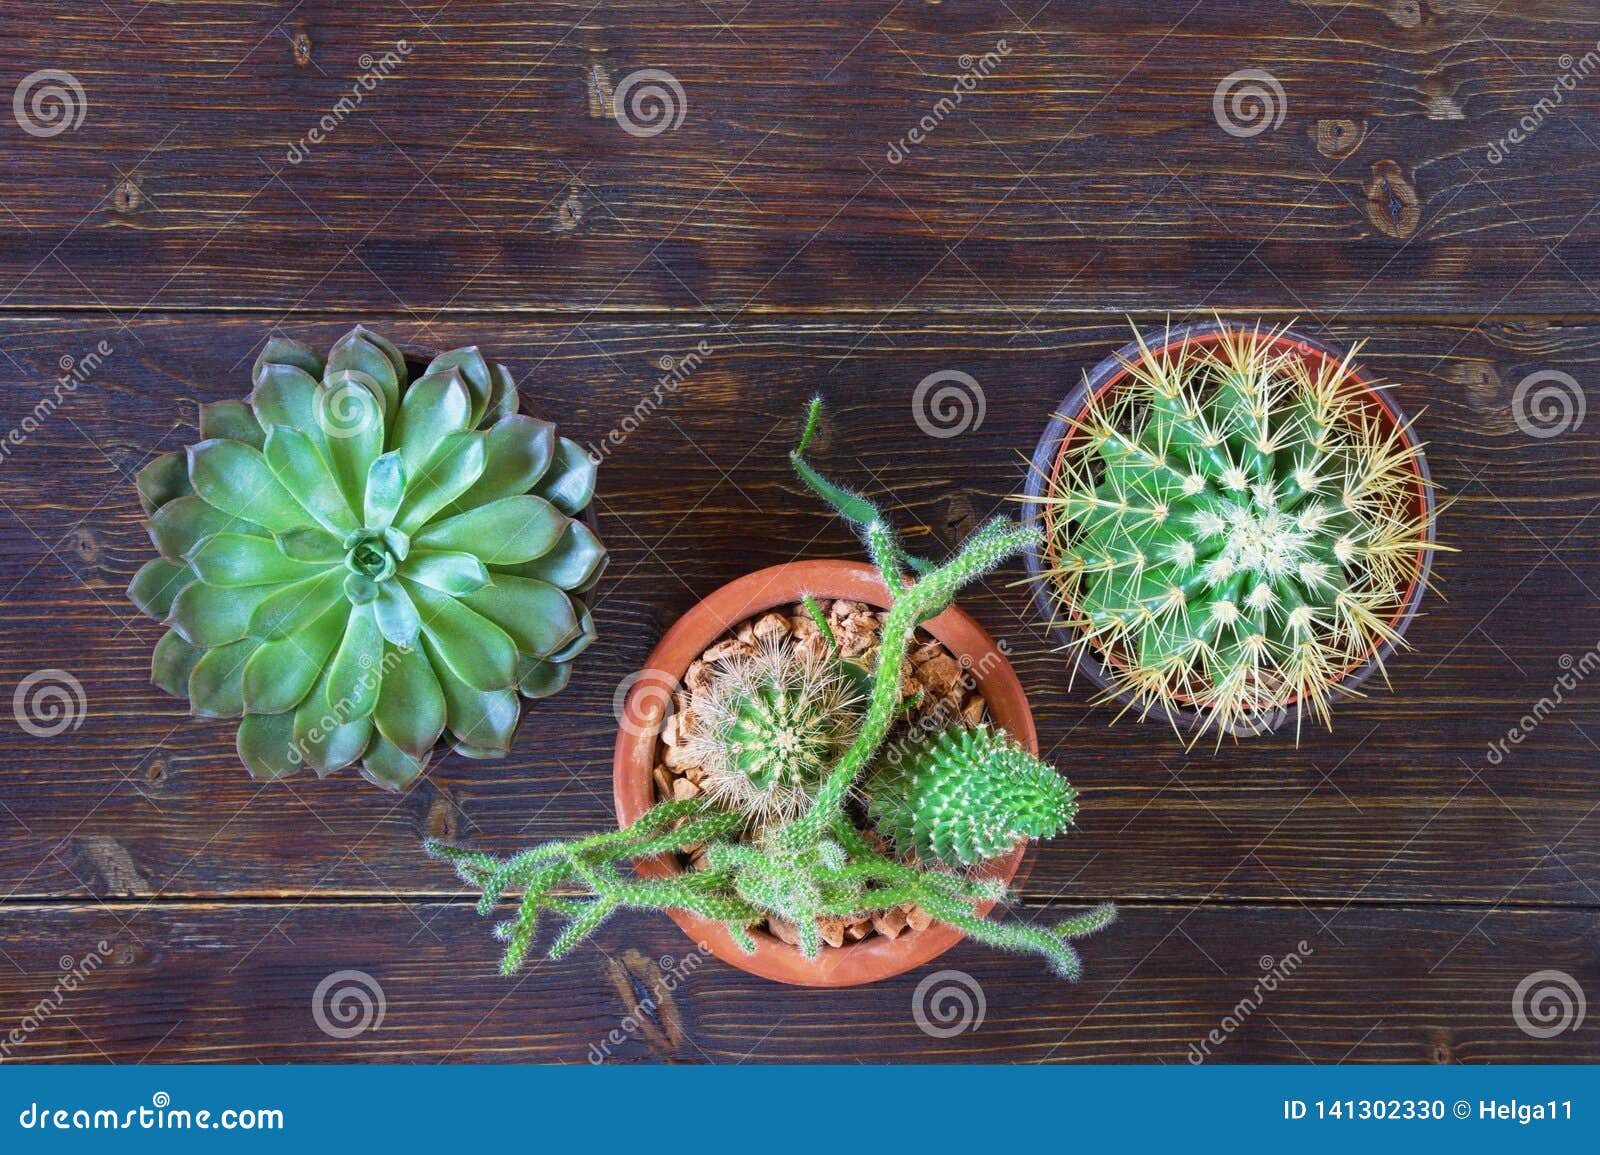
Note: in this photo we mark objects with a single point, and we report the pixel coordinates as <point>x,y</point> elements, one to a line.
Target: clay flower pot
<point>644,712</point>
<point>1046,465</point>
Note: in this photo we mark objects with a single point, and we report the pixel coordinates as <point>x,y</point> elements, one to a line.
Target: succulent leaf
<point>288,575</point>
<point>164,479</point>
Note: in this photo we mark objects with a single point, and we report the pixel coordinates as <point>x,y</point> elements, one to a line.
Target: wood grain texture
<point>1399,802</point>
<point>790,236</point>
<point>1085,169</point>
<point>209,983</point>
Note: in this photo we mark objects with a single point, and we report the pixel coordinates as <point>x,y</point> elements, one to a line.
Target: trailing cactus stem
<point>775,720</point>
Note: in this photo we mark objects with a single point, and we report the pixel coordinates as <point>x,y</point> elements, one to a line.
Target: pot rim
<point>1045,464</point>
<point>634,760</point>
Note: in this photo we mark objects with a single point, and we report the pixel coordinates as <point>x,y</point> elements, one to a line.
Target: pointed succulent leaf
<point>208,615</point>
<point>216,686</point>
<point>287,607</point>
<point>356,674</point>
<point>266,746</point>
<point>230,421</point>
<point>386,488</point>
<point>433,408</point>
<point>156,584</point>
<point>456,574</point>
<point>354,358</point>
<point>519,451</point>
<point>474,371</point>
<point>172,663</point>
<point>482,719</point>
<point>280,674</point>
<point>180,525</point>
<point>574,562</point>
<point>581,641</point>
<point>237,559</point>
<point>286,396</point>
<point>386,765</point>
<point>397,616</point>
<point>504,532</point>
<point>450,473</point>
<point>476,650</point>
<point>296,461</point>
<point>502,394</point>
<point>360,589</point>
<point>281,352</point>
<point>164,479</point>
<point>325,738</point>
<point>236,479</point>
<point>310,544</point>
<point>539,617</point>
<point>350,417</point>
<point>411,709</point>
<point>537,678</point>
<point>569,485</point>
<point>390,349</point>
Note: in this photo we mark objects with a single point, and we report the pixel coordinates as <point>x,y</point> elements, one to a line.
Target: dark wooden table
<point>483,190</point>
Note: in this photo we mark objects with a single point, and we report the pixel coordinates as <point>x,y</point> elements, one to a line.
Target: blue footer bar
<point>780,1109</point>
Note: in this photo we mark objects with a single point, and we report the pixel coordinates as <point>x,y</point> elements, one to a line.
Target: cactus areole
<point>1238,527</point>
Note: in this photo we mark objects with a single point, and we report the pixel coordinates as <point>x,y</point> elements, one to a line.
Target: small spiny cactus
<point>1236,528</point>
<point>962,797</point>
<point>770,727</point>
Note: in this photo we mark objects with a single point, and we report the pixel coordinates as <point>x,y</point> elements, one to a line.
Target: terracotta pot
<point>873,958</point>
<point>1109,375</point>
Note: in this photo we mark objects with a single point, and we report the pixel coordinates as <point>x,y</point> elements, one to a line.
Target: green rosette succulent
<point>360,563</point>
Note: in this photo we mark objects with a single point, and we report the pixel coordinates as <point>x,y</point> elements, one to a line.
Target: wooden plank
<point>238,983</point>
<point>1398,803</point>
<point>1084,168</point>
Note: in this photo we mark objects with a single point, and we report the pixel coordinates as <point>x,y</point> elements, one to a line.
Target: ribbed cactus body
<point>1235,527</point>
<point>962,797</point>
